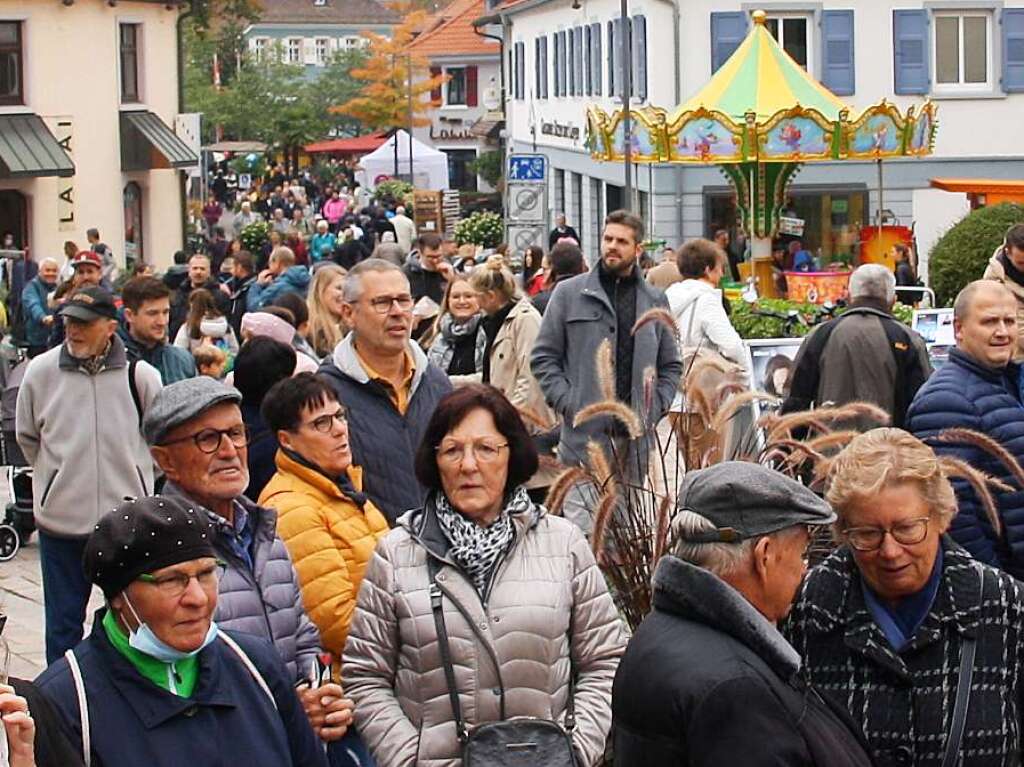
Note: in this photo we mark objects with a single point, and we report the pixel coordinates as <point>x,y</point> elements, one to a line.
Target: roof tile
<point>331,12</point>
<point>455,35</point>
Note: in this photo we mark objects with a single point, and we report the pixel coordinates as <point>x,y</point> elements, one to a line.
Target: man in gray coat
<point>197,437</point>
<point>605,303</point>
<point>864,355</point>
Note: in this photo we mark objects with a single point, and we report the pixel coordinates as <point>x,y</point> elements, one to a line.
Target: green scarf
<point>179,678</point>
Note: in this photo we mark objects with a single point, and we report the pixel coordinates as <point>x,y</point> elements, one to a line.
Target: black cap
<point>88,304</point>
<point>746,500</point>
<point>144,535</point>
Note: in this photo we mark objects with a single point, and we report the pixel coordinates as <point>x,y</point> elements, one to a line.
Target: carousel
<point>759,119</point>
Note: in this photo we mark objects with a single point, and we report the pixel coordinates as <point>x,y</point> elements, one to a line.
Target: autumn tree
<point>383,102</point>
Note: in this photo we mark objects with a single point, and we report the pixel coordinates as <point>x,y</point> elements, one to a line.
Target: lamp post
<point>627,88</point>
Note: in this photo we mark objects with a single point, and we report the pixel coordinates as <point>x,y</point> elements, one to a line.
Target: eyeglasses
<point>176,585</point>
<point>208,440</point>
<point>453,453</point>
<point>383,304</point>
<point>870,538</point>
<point>325,423</point>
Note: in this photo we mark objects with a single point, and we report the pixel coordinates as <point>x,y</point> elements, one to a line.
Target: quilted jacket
<point>904,700</point>
<point>966,394</point>
<point>330,539</point>
<point>264,600</point>
<point>548,615</point>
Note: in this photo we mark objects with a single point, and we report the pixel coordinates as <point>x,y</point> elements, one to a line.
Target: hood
<point>698,595</point>
<point>270,325</point>
<point>689,289</point>
<point>412,262</point>
<point>347,361</point>
<point>297,276</point>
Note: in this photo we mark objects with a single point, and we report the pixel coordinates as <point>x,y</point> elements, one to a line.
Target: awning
<point>147,143</point>
<point>29,150</point>
<point>488,126</point>
<point>353,145</point>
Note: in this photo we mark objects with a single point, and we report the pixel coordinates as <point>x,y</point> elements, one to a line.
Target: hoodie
<point>295,279</point>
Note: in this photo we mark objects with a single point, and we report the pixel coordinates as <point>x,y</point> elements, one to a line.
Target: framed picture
<point>935,326</point>
<point>771,364</point>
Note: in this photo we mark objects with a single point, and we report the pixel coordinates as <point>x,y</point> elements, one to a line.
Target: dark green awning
<point>29,150</point>
<point>147,143</point>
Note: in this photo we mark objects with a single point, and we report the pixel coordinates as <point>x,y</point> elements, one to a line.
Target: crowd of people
<point>310,483</point>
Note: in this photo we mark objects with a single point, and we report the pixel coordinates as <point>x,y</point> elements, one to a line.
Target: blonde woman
<point>457,340</point>
<point>901,625</point>
<point>325,299</point>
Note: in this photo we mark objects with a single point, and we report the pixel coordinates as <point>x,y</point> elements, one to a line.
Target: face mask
<point>215,327</point>
<point>146,642</point>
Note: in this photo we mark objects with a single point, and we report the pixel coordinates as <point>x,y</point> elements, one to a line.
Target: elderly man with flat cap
<point>198,439</point>
<point>158,682</point>
<point>708,680</point>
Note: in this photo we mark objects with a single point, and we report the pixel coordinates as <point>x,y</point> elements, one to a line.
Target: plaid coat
<point>904,701</point>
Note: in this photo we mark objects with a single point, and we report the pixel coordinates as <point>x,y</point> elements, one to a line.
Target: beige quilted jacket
<point>392,664</point>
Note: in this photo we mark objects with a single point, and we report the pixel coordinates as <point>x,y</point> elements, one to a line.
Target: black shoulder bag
<point>520,740</point>
<point>963,687</point>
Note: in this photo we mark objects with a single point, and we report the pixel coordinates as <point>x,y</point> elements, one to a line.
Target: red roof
<point>454,35</point>
<point>357,145</point>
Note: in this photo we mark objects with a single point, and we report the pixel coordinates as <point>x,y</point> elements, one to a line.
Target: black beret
<point>144,535</point>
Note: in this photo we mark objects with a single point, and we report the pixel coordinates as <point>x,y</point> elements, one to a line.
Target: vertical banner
<point>64,133</point>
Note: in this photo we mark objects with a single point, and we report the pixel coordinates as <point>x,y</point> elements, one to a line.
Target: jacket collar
<point>834,602</point>
<point>308,475</point>
<point>154,705</point>
<point>116,356</point>
<point>264,519</point>
<point>992,375</point>
<point>696,594</point>
<point>347,361</point>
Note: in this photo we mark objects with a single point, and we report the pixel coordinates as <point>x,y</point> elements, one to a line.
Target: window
<point>11,87</point>
<point>520,71</point>
<point>455,89</point>
<point>460,175</point>
<point>541,66</point>
<point>132,204</point>
<point>352,42</point>
<point>130,34</point>
<point>596,60</point>
<point>259,48</point>
<point>577,61</point>
<point>323,51</point>
<point>293,50</point>
<point>639,54</point>
<point>560,78</point>
<point>793,34</point>
<point>962,49</point>
<point>570,60</point>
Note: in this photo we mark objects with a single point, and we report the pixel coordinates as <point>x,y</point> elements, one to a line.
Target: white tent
<point>429,165</point>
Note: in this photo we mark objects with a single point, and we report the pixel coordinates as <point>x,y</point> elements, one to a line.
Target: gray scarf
<point>449,333</point>
<point>477,549</point>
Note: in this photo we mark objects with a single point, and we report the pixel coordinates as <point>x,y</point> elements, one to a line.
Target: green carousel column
<point>760,197</point>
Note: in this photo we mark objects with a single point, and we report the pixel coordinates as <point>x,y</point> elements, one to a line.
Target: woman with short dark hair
<point>526,615</point>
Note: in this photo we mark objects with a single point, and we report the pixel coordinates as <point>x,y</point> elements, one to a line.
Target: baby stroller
<point>18,522</point>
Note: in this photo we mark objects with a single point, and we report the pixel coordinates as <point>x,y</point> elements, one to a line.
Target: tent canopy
<point>430,166</point>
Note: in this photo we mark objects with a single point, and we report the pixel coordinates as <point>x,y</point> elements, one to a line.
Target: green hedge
<point>751,325</point>
<point>961,254</point>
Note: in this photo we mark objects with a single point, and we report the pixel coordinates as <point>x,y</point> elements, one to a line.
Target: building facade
<point>966,55</point>
<point>90,145</point>
<point>310,32</point>
<point>461,126</point>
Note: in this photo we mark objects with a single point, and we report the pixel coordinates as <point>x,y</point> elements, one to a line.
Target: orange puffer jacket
<point>330,540</point>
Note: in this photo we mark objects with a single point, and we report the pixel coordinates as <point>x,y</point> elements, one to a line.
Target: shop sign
<point>791,226</point>
<point>560,130</point>
<point>451,134</point>
<point>65,186</point>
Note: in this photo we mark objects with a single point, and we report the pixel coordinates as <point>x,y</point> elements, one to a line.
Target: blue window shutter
<point>563,72</point>
<point>570,58</point>
<point>546,66</point>
<point>727,32</point>
<point>1013,50</point>
<point>613,28</point>
<point>910,57</point>
<point>837,70</point>
<point>640,56</point>
<point>520,71</point>
<point>537,90</point>
<point>578,34</point>
<point>598,58</point>
<point>588,64</point>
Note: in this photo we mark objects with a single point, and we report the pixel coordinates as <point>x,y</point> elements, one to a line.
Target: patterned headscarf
<point>475,548</point>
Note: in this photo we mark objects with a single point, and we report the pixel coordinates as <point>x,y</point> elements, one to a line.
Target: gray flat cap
<point>745,500</point>
<point>182,401</point>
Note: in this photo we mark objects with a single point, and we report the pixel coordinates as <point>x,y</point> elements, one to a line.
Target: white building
<point>461,126</point>
<point>966,55</point>
<point>88,90</point>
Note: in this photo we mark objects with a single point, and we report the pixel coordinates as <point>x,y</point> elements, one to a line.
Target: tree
<point>337,84</point>
<point>383,102</point>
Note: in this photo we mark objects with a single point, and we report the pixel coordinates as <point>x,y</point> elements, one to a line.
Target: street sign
<point>522,236</point>
<point>527,167</point>
<point>526,202</point>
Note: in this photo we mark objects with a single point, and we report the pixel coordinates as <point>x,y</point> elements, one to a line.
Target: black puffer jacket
<point>904,701</point>
<point>707,681</point>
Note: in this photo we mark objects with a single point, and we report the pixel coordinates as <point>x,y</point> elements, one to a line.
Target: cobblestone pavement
<point>21,599</point>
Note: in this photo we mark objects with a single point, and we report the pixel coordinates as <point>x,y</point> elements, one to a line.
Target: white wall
<point>935,211</point>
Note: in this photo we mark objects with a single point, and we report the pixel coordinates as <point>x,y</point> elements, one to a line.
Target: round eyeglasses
<point>907,533</point>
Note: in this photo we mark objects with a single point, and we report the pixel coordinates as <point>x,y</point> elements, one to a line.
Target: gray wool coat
<point>264,601</point>
<point>578,318</point>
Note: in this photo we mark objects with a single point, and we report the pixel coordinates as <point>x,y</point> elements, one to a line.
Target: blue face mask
<point>146,642</point>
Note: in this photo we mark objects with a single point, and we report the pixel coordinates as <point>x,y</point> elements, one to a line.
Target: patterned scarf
<point>477,549</point>
<point>93,365</point>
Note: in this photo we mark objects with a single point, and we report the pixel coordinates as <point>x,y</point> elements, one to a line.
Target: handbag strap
<point>442,643</point>
<point>83,705</point>
<point>963,691</point>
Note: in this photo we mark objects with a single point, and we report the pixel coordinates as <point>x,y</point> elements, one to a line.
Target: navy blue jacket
<point>968,395</point>
<point>384,441</point>
<point>227,721</point>
<point>34,308</point>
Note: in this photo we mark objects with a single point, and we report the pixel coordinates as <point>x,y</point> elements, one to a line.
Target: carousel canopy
<point>761,106</point>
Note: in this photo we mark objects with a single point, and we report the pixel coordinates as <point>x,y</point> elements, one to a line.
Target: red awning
<point>357,145</point>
